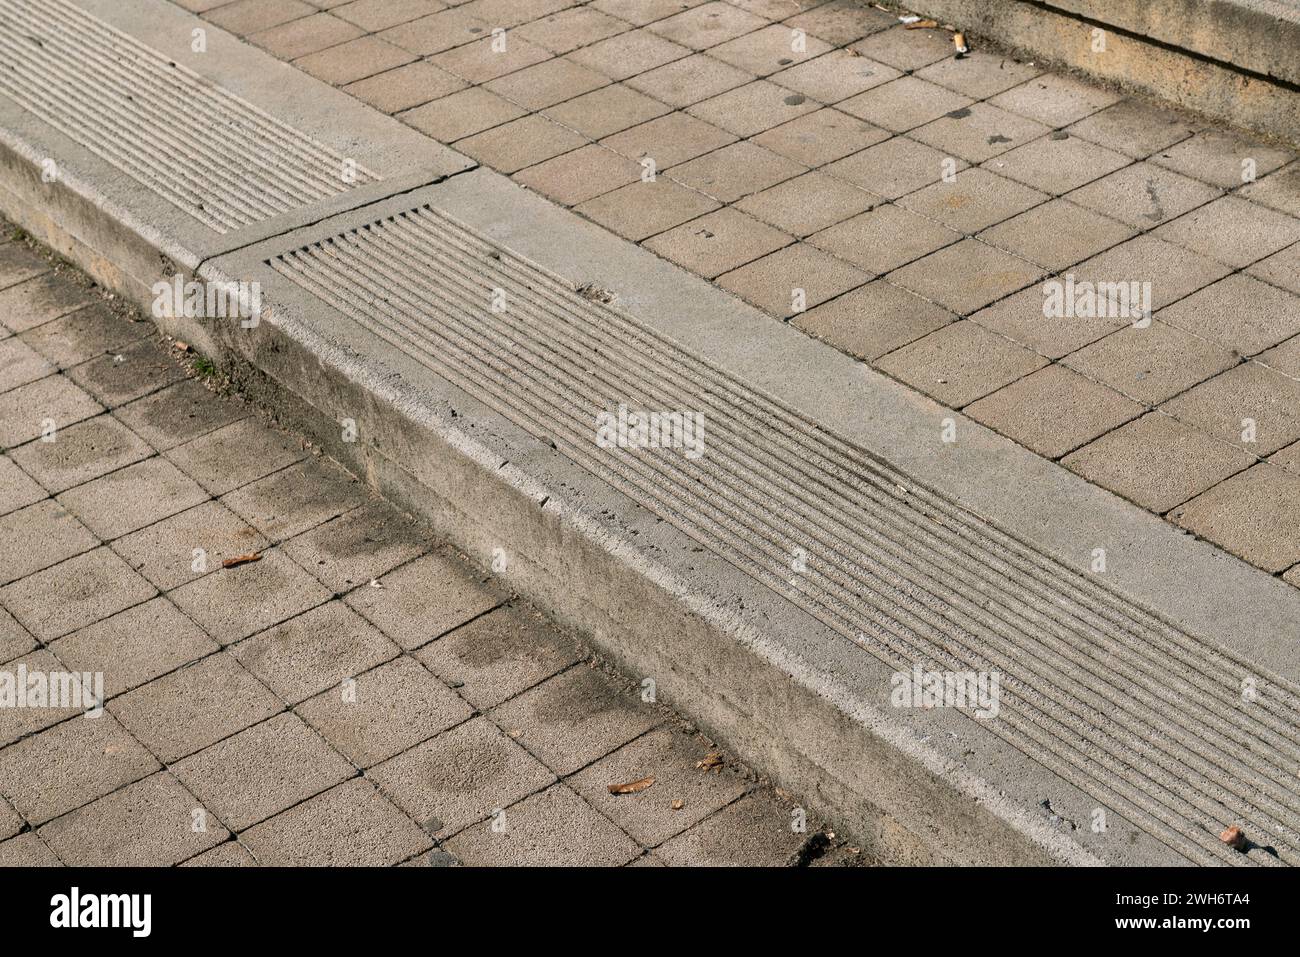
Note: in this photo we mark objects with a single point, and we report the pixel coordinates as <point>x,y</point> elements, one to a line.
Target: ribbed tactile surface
<point>203,149</point>
<point>1147,719</point>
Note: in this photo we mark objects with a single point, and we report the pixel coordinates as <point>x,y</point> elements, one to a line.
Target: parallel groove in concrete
<point>205,150</point>
<point>924,580</point>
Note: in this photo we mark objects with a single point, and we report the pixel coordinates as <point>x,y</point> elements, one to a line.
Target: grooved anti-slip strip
<point>1147,719</point>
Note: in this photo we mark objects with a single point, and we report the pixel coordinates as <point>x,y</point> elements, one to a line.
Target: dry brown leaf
<point>921,25</point>
<point>678,804</point>
<point>1234,837</point>
<point>710,761</point>
<point>632,787</point>
<point>241,559</point>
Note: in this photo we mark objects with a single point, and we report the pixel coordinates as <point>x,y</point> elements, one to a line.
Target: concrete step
<point>456,339</point>
<point>1234,61</point>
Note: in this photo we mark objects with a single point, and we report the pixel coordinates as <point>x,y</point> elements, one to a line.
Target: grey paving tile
<point>236,602</point>
<point>436,32</point>
<point>37,407</point>
<point>1238,312</point>
<point>19,722</point>
<point>297,38</point>
<point>690,80</point>
<point>85,334</point>
<point>643,209</point>
<point>1022,318</point>
<point>499,655</point>
<point>1134,128</point>
<point>1157,462</point>
<point>894,167</point>
<point>835,76</point>
<point>235,455</point>
<point>372,15</point>
<point>873,320</point>
<point>152,823</point>
<point>1255,515</point>
<point>405,87</point>
<point>883,238</point>
<point>1057,163</point>
<point>74,593</point>
<point>821,137</point>
<point>768,50</point>
<point>42,299</point>
<point>669,140</point>
<point>547,83</point>
<point>978,75</point>
<point>707,25</point>
<point>580,175</point>
<point>1221,158</point>
<point>262,770</point>
<point>1173,272</point>
<point>39,536</point>
<point>670,757</point>
<point>18,263</point>
<point>385,712</point>
<point>229,854</point>
<point>960,362</point>
<point>1233,231</point>
<point>353,60</point>
<point>906,49</point>
<point>974,200</point>
<point>15,640</point>
<point>629,54</point>
<point>314,652</point>
<point>297,498</point>
<point>1057,234</point>
<point>735,171</point>
<point>27,850</point>
<point>1143,195</point>
<point>425,599</point>
<point>135,646</point>
<point>460,777</point>
<point>359,546</point>
<point>607,111</point>
<point>193,707</point>
<point>478,62</point>
<point>1151,364</point>
<point>11,822</point>
<point>754,831</point>
<point>71,764</point>
<point>249,16</point>
<point>807,204</point>
<point>718,242</point>
<point>1279,190</point>
<point>838,22</point>
<point>574,718</point>
<point>1280,269</point>
<point>1055,99</point>
<point>189,545</point>
<point>462,114</point>
<point>80,453</point>
<point>21,364</point>
<point>1222,405</point>
<point>178,414</point>
<point>351,824</point>
<point>904,104</point>
<point>131,498</point>
<point>978,132</point>
<point>549,829</point>
<point>115,379</point>
<point>966,276</point>
<point>17,490</point>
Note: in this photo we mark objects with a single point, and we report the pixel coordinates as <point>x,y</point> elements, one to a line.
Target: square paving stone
<point>821,137</point>
<point>135,646</point>
<point>131,498</point>
<point>754,831</point>
<point>1280,269</point>
<point>1233,231</point>
<point>873,319</point>
<point>643,209</point>
<point>1134,128</point>
<point>670,757</point>
<point>353,60</point>
<point>81,453</point>
<point>770,283</point>
<point>1151,364</point>
<point>735,171</point>
<point>189,545</point>
<point>178,414</point>
<point>1255,515</point>
<point>906,49</point>
<point>606,111</point>
<point>1288,458</point>
<point>1238,312</point>
<point>641,12</point>
<point>425,599</point>
<point>358,547</point>
<point>39,536</point>
<point>960,362</point>
<point>978,132</point>
<point>835,76</point>
<point>262,770</point>
<point>769,50</point>
<point>233,603</point>
<point>581,175</point>
<point>884,238</point>
<point>18,723</point>
<point>1055,99</point>
<point>350,824</point>
<point>807,204</point>
<point>838,22</point>
<point>295,39</point>
<point>198,705</point>
<point>753,108</point>
<point>1157,462</point>
<point>27,850</point>
<point>1057,163</point>
<point>478,62</point>
<point>1173,272</point>
<point>42,299</point>
<point>1054,411</point>
<point>74,593</point>
<point>546,84</point>
<point>250,16</point>
<point>1248,391</point>
<point>708,25</point>
<point>974,200</point>
<point>1280,190</point>
<point>117,378</point>
<point>555,828</point>
<point>978,75</point>
<point>669,140</point>
<point>437,32</point>
<point>371,15</point>
<point>14,638</point>
<point>519,143</point>
<point>295,499</point>
<point>17,490</point>
<point>683,82</point>
<point>570,720</point>
<point>1221,158</point>
<point>313,652</point>
<point>1143,195</point>
<point>21,364</point>
<point>386,711</point>
<point>629,54</point>
<point>18,263</point>
<point>1285,358</point>
<point>150,823</point>
<point>1021,317</point>
<point>29,410</point>
<point>966,276</point>
<point>71,764</point>
<point>718,242</point>
<point>229,854</point>
<point>235,455</point>
<point>1057,234</point>
<point>461,114</point>
<point>499,655</point>
<point>460,777</point>
<point>904,104</point>
<point>405,87</point>
<point>894,168</point>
